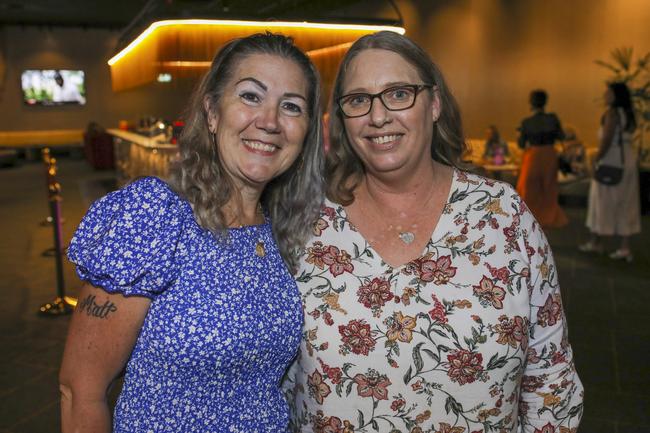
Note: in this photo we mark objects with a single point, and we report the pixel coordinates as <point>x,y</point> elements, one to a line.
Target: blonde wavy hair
<point>343,167</point>
<point>293,199</point>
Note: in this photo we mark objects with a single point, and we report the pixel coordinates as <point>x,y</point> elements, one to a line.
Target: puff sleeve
<point>551,395</point>
<point>127,241</point>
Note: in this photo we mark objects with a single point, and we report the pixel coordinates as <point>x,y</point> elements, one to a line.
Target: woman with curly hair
<point>186,287</point>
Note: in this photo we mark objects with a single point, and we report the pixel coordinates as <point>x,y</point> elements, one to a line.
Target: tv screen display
<point>53,87</point>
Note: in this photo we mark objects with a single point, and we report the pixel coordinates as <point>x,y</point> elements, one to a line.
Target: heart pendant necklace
<point>406,237</point>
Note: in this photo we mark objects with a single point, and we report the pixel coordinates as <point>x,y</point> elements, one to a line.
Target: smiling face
<point>261,120</point>
<point>390,142</point>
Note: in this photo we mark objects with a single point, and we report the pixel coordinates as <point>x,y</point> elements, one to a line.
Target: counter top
<point>157,142</point>
<point>49,138</point>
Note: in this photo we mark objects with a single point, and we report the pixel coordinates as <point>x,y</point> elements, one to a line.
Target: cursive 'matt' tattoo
<point>92,308</point>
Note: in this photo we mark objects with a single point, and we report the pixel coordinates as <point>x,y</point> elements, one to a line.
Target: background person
<point>537,183</point>
<point>571,159</point>
<point>496,150</point>
<point>615,210</point>
<point>431,296</point>
<point>186,287</point>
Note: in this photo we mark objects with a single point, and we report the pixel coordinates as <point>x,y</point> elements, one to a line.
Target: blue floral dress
<point>223,324</point>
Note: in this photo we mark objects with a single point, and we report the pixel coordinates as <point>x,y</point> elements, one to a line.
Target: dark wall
<point>75,48</point>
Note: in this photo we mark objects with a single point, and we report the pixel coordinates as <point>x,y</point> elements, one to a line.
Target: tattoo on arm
<point>92,308</point>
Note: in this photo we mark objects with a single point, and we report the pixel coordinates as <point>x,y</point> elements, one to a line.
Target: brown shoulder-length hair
<point>293,199</point>
<point>344,168</point>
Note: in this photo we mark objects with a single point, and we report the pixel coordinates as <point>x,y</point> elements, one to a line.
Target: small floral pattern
<point>469,337</point>
<point>223,323</point>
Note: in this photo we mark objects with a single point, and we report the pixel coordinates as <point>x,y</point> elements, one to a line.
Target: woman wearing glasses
<point>431,297</point>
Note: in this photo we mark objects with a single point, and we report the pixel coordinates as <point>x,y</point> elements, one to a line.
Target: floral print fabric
<point>469,337</point>
<point>223,324</point>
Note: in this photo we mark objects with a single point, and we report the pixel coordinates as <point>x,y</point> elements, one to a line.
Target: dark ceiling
<point>120,13</point>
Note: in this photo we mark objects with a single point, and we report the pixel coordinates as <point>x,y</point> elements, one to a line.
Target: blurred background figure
<point>571,159</point>
<point>615,209</point>
<point>537,183</point>
<point>496,150</point>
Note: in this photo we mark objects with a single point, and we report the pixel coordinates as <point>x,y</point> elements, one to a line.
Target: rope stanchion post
<point>45,155</point>
<point>62,304</point>
<point>49,178</point>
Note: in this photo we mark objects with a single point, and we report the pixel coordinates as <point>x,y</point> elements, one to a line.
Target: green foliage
<point>636,74</point>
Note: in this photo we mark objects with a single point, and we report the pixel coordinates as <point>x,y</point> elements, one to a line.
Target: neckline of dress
<point>435,230</point>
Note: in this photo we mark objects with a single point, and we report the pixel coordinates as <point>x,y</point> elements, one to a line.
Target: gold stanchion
<point>62,304</point>
<point>45,156</point>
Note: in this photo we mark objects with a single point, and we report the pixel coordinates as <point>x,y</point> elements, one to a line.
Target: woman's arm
<point>551,394</point>
<point>610,121</point>
<point>523,138</point>
<point>102,333</point>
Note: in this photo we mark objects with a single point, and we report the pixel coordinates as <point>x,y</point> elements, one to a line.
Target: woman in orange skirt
<point>537,182</point>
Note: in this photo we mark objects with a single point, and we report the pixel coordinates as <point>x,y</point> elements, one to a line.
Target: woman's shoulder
<point>464,179</point>
<point>147,193</point>
<point>148,185</point>
<point>145,204</point>
<point>470,187</point>
<point>127,241</point>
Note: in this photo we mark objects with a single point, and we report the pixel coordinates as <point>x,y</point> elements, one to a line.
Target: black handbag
<point>608,174</point>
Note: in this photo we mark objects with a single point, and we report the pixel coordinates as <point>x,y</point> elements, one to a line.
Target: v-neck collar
<point>433,235</point>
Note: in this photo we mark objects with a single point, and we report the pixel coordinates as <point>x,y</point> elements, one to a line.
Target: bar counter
<point>137,155</point>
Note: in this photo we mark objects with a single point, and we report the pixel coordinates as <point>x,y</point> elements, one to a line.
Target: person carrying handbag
<point>614,208</point>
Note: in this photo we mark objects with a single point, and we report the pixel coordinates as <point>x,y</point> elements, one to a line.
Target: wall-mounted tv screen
<point>53,87</point>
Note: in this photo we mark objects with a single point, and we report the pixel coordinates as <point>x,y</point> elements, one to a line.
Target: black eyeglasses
<point>394,99</point>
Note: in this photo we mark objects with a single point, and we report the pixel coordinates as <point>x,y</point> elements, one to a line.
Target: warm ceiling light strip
<point>249,24</point>
<point>327,50</point>
<point>185,64</point>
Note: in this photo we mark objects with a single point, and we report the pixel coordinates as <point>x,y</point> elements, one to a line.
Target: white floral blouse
<point>470,337</point>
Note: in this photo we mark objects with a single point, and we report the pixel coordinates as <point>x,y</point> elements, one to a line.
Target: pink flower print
<point>372,385</point>
<point>356,337</point>
<point>375,294</point>
<point>438,314</point>
<point>318,389</point>
<point>339,261</point>
<point>548,428</point>
<point>489,293</point>
<point>319,226</point>
<point>464,366</point>
<point>551,312</point>
<point>439,271</point>
<point>397,404</point>
<point>502,274</point>
<point>512,332</point>
<point>330,212</point>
